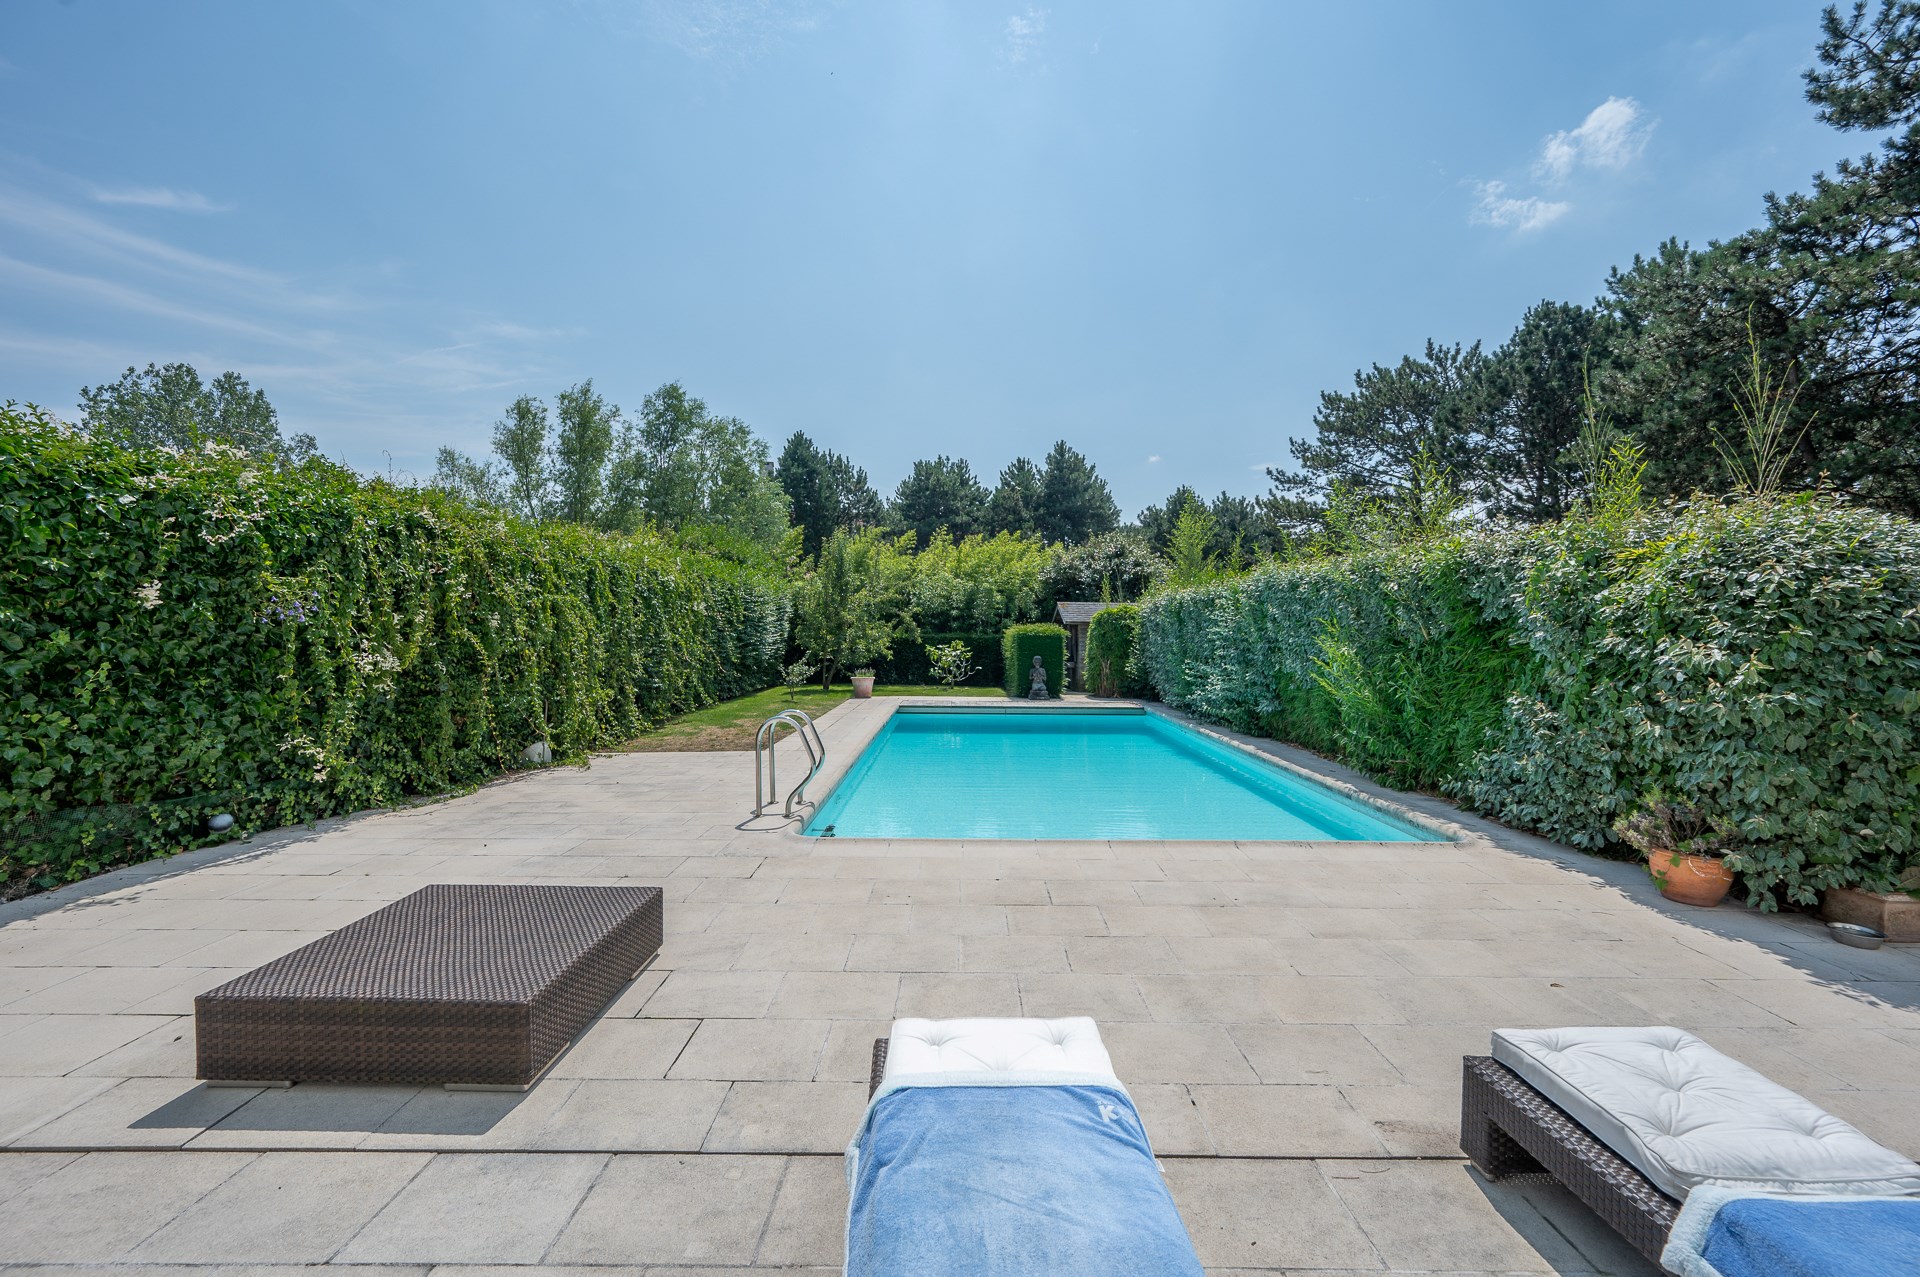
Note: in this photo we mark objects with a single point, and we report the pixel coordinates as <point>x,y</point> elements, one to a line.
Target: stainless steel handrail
<point>766,777</point>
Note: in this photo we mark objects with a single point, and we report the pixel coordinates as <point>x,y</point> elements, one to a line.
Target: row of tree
<point>1822,302</point>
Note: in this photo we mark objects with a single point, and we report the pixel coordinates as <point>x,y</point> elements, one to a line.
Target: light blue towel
<point>1733,1232</point>
<point>1009,1181</point>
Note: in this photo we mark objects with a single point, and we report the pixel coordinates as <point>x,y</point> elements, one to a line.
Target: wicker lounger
<point>469,985</point>
<point>1509,1128</point>
<point>879,1065</point>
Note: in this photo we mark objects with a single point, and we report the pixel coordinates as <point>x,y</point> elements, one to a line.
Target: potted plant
<point>862,684</point>
<point>1685,849</point>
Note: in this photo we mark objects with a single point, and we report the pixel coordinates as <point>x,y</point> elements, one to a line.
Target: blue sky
<point>905,228</point>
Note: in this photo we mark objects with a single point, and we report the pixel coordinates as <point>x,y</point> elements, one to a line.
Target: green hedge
<point>908,665</point>
<point>1111,639</point>
<point>191,634</point>
<point>1761,659</point>
<point>1020,644</point>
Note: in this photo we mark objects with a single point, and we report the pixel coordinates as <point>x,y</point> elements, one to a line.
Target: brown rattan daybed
<point>1633,1120</point>
<point>462,985</point>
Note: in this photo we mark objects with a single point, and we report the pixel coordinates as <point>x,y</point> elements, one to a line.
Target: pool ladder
<point>766,783</point>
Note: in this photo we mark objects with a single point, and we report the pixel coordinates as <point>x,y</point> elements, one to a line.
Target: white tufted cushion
<point>1071,1045</point>
<point>1685,1115</point>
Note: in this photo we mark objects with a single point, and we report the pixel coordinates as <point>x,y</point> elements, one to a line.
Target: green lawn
<point>731,724</point>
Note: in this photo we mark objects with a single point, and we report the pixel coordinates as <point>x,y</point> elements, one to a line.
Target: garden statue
<point>1037,686</point>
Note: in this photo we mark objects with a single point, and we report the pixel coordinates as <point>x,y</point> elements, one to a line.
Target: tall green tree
<point>1016,500</point>
<point>1827,291</point>
<point>1075,503</point>
<point>582,447</point>
<point>171,407</point>
<point>1157,521</point>
<point>941,493</point>
<point>1116,566</point>
<point>1525,410</point>
<point>827,492</point>
<point>851,603</point>
<point>1368,438</point>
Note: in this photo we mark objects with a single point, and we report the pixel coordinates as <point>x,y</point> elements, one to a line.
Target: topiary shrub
<point>1021,643</point>
<point>194,633</point>
<point>1111,640</point>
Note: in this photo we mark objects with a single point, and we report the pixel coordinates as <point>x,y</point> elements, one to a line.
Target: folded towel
<point>1726,1231</point>
<point>1009,1180</point>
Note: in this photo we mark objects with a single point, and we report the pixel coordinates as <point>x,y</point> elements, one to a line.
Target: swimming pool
<point>1107,773</point>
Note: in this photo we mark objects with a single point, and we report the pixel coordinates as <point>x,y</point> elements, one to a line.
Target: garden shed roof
<point>1078,613</point>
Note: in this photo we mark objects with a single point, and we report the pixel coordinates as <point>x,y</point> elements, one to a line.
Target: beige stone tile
<point>848,1056</point>
<point>139,1113</point>
<point>753,1051</point>
<point>703,1209</point>
<point>1167,921</point>
<point>1411,1121</point>
<point>1255,1214</point>
<point>310,1115</point>
<point>283,1208</point>
<point>808,1225</point>
<point>48,1046</point>
<point>1120,955</point>
<point>795,952</point>
<point>1055,920</point>
<point>1175,1053</point>
<point>1013,954</point>
<point>958,920</point>
<point>1293,1054</point>
<point>1285,1121</point>
<point>98,1207</point>
<point>165,1051</point>
<point>903,953</point>
<point>1172,1119</point>
<point>636,1115</point>
<point>1344,957</point>
<point>835,995</point>
<point>787,1117</point>
<point>1225,955</point>
<point>697,995</point>
<point>1005,891</point>
<point>1106,998</point>
<point>21,1171</point>
<point>613,1048</point>
<point>1105,893</point>
<point>1431,1216</point>
<point>862,920</point>
<point>958,996</point>
<point>478,1208</point>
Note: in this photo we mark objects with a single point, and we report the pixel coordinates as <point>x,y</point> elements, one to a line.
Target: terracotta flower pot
<point>1691,880</point>
<point>862,686</point>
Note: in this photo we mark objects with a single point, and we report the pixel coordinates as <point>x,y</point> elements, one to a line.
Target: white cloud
<point>1154,460</point>
<point>1518,213</point>
<point>159,197</point>
<point>1024,33</point>
<point>1611,137</point>
<point>726,29</point>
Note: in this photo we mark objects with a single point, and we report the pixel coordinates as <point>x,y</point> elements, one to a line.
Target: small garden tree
<point>850,604</point>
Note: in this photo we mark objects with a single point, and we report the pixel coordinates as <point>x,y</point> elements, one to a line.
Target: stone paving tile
<point>787,1117</point>
<point>623,1048</point>
<point>27,1103</point>
<point>662,1115</point>
<point>673,1210</point>
<point>21,1171</point>
<point>478,1208</point>
<point>694,995</point>
<point>1432,1215</point>
<point>1245,1214</point>
<point>1107,998</point>
<point>139,1112</point>
<point>1176,1053</point>
<point>1313,1053</point>
<point>282,1208</point>
<point>47,1046</point>
<point>98,1207</point>
<point>311,1115</point>
<point>848,1056</point>
<point>753,1050</point>
<point>835,995</point>
<point>808,1224</point>
<point>958,996</point>
<point>1284,1121</point>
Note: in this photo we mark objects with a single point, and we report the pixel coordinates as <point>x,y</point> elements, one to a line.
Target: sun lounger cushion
<point>1070,1045</point>
<point>1686,1115</point>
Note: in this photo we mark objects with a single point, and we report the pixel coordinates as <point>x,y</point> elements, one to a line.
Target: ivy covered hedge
<point>190,634</point>
<point>1760,659</point>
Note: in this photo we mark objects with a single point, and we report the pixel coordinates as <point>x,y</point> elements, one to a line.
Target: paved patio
<point>1290,1018</point>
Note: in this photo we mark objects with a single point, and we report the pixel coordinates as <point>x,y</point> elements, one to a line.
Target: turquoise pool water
<point>1081,774</point>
